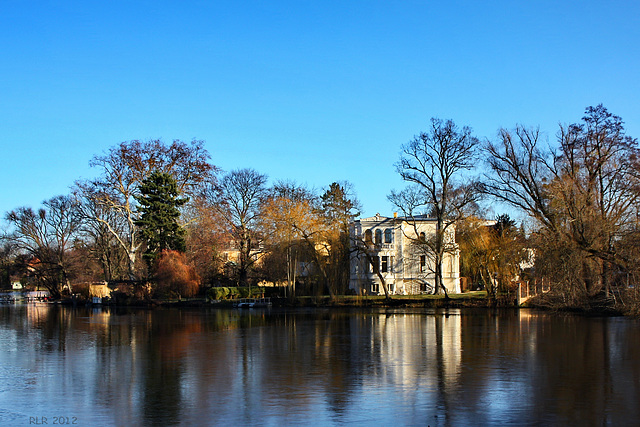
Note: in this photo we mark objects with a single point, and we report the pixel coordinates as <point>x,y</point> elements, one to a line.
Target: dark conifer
<point>158,224</point>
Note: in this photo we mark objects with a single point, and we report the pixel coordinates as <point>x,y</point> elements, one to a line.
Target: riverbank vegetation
<point>162,221</point>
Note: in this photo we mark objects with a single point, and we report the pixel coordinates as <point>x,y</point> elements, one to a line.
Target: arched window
<point>388,235</point>
<point>423,237</point>
<point>368,237</point>
<point>378,237</point>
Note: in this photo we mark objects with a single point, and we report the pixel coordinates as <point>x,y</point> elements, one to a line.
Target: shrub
<point>218,293</point>
<point>233,292</point>
<point>174,276</point>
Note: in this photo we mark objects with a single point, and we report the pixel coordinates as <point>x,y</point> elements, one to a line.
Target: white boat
<point>253,302</point>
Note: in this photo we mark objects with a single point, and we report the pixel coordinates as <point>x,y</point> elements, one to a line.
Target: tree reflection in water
<point>400,366</point>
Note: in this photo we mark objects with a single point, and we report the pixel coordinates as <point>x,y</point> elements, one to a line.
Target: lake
<point>123,367</point>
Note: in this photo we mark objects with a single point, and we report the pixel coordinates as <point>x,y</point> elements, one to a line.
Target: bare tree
<point>433,163</point>
<point>97,234</point>
<point>125,166</point>
<point>584,196</point>
<point>47,235</point>
<point>520,173</point>
<point>238,199</point>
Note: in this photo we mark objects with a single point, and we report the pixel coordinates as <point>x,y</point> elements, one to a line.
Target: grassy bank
<point>474,299</point>
<point>467,299</point>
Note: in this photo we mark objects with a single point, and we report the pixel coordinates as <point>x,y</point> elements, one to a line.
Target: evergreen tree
<point>158,221</point>
<point>338,207</point>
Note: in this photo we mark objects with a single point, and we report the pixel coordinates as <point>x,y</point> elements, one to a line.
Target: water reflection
<point>403,367</point>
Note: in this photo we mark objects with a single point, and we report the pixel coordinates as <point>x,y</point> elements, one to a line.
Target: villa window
<point>423,237</point>
<point>423,263</point>
<point>385,264</point>
<point>378,237</point>
<point>388,235</point>
<point>368,237</point>
<point>376,263</point>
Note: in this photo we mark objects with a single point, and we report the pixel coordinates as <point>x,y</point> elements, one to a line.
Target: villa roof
<point>380,218</point>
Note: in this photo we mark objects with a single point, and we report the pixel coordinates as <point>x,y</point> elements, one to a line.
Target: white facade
<point>394,250</point>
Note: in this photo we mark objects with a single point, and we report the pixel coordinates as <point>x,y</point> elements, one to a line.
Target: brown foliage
<point>175,276</point>
<point>492,254</point>
<point>206,238</point>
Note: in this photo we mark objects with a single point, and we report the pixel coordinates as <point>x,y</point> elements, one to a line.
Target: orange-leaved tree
<point>174,276</point>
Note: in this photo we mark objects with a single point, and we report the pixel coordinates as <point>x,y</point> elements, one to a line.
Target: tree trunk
<point>439,256</point>
<point>376,269</point>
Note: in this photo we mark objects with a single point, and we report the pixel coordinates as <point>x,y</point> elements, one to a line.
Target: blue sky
<point>308,91</point>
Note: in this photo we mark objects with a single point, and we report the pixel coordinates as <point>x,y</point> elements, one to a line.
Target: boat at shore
<point>253,303</point>
<point>24,296</point>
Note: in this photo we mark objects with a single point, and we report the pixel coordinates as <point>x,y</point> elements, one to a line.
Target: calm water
<point>397,367</point>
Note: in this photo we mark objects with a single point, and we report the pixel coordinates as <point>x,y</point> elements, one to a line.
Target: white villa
<point>407,269</point>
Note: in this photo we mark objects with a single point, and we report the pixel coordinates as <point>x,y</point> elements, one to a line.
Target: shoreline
<point>475,299</point>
